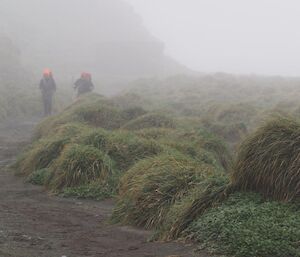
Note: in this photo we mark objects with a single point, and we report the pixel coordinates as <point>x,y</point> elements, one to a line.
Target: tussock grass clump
<point>126,149</point>
<point>133,113</point>
<point>214,145</point>
<point>200,145</point>
<point>52,124</point>
<point>123,147</point>
<point>44,128</point>
<point>268,162</point>
<point>92,110</point>
<point>98,138</point>
<point>41,155</point>
<point>79,165</point>
<point>101,115</point>
<point>236,113</point>
<point>231,132</point>
<point>151,187</point>
<point>150,120</point>
<point>154,133</point>
<point>70,130</point>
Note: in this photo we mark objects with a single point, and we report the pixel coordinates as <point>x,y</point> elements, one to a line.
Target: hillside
<point>173,176</point>
<point>18,97</point>
<point>228,105</point>
<point>110,42</point>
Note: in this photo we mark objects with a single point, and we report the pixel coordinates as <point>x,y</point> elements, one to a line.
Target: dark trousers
<point>47,101</point>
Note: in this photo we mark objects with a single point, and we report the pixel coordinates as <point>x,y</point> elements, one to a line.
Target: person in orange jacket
<point>84,84</point>
<point>48,88</point>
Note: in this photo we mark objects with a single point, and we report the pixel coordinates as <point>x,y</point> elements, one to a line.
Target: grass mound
<point>154,133</point>
<point>98,138</point>
<point>92,110</point>
<point>133,113</point>
<point>241,112</point>
<point>79,165</point>
<point>151,187</point>
<point>247,226</point>
<point>214,145</point>
<point>69,130</point>
<point>123,147</point>
<point>101,115</point>
<point>268,162</point>
<point>126,149</point>
<point>41,155</point>
<point>231,132</point>
<point>150,120</point>
<point>200,145</point>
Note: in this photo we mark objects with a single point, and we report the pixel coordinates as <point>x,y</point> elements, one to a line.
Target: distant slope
<point>105,37</point>
<point>17,95</point>
<point>198,92</point>
<point>228,105</point>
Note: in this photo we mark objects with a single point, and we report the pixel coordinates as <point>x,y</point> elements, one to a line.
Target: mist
<point>259,36</point>
<point>104,37</point>
<point>128,123</point>
<point>120,40</point>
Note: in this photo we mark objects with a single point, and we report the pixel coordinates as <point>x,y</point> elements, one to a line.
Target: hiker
<point>48,88</point>
<point>84,84</point>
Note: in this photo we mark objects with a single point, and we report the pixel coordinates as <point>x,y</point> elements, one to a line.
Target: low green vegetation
<point>178,175</point>
<point>39,177</point>
<point>96,190</point>
<point>246,225</point>
<point>151,120</point>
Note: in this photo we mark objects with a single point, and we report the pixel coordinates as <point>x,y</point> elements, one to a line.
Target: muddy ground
<point>36,224</point>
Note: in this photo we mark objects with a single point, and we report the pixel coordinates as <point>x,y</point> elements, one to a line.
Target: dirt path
<point>34,224</point>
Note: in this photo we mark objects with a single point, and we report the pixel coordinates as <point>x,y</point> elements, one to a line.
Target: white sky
<point>238,36</point>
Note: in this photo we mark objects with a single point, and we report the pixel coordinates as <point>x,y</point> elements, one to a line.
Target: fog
<point>258,36</point>
<point>120,40</point>
<point>104,37</point>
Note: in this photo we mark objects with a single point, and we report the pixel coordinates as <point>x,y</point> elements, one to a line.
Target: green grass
<point>170,174</point>
<point>98,138</point>
<point>199,145</point>
<point>39,177</point>
<point>247,226</point>
<point>208,193</point>
<point>150,120</point>
<point>40,155</point>
<point>97,190</point>
<point>126,149</point>
<point>151,187</point>
<point>268,160</point>
<point>79,165</point>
